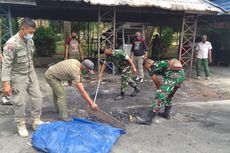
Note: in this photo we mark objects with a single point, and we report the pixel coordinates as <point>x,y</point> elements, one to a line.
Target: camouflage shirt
<point>162,68</point>
<point>159,68</point>
<point>119,58</point>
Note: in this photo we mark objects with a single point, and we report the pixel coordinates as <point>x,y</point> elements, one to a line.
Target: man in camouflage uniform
<point>121,60</point>
<point>172,80</point>
<point>18,71</point>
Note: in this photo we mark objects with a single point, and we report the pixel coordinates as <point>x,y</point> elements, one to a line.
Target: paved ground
<point>199,124</point>
<point>198,127</point>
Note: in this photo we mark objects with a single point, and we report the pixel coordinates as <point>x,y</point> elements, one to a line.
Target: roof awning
<point>19,2</point>
<point>174,5</point>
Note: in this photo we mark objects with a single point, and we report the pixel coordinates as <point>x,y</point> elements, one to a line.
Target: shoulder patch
<point>9,47</point>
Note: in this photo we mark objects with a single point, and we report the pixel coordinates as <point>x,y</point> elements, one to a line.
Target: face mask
<point>137,37</point>
<point>203,40</point>
<point>28,36</point>
<point>84,72</point>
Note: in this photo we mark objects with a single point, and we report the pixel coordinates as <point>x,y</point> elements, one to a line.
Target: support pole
<point>9,22</point>
<point>106,15</point>
<point>114,33</point>
<point>88,40</point>
<point>187,42</point>
<point>5,24</point>
<point>98,39</point>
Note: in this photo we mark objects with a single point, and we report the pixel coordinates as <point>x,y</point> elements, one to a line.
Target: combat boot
<point>135,92</point>
<point>166,113</point>
<point>146,119</point>
<point>37,122</point>
<point>22,130</point>
<point>120,97</point>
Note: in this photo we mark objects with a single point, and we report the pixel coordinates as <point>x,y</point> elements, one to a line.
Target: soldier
<point>18,68</point>
<point>122,61</point>
<point>68,70</point>
<point>173,77</point>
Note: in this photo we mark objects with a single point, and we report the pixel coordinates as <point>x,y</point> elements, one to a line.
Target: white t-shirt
<point>202,49</point>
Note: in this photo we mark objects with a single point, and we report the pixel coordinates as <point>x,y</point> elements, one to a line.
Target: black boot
<point>135,92</point>
<point>146,119</point>
<point>120,97</point>
<point>166,113</point>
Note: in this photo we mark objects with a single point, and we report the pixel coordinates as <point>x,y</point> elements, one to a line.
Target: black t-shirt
<point>139,47</point>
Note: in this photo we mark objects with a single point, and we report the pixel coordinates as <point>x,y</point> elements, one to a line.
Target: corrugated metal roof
<point>177,5</point>
<point>223,3</point>
<point>21,2</point>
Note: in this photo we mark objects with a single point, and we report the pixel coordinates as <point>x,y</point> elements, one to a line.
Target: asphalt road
<point>199,124</point>
<point>196,127</point>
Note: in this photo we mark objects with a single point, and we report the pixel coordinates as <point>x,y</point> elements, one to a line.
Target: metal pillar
<point>187,42</point>
<point>106,15</point>
<point>5,25</point>
<point>85,39</point>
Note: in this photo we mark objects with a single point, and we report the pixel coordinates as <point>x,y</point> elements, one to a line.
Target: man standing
<point>204,56</point>
<point>18,68</point>
<point>156,47</point>
<point>73,48</point>
<point>139,52</point>
<point>68,70</point>
<point>122,61</point>
<point>173,77</point>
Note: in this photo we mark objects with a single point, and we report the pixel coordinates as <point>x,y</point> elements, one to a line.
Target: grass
<point>60,47</point>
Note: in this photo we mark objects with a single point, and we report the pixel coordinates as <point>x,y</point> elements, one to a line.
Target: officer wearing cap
<point>18,68</point>
<point>68,70</point>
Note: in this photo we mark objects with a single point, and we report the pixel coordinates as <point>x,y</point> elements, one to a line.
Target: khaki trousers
<point>138,62</point>
<point>59,95</point>
<point>19,99</point>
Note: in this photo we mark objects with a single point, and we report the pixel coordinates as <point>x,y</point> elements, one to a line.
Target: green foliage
<point>15,25</point>
<point>166,38</point>
<point>45,42</point>
<point>56,25</point>
<point>79,26</point>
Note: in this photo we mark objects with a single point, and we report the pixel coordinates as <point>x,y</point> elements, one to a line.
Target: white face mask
<point>28,36</point>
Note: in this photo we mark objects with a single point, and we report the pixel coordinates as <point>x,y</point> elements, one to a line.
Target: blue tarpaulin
<point>77,136</point>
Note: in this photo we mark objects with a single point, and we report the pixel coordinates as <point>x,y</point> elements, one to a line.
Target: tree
<point>45,42</point>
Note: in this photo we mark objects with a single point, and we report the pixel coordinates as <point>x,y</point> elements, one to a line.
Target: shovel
<point>103,115</point>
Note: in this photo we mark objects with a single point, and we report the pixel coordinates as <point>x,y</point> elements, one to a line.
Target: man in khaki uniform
<point>68,70</point>
<point>18,68</point>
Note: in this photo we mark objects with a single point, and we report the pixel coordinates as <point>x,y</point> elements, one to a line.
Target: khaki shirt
<point>66,70</point>
<point>17,64</point>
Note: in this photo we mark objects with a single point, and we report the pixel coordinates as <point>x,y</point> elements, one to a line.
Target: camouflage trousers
<point>164,95</point>
<point>127,79</point>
